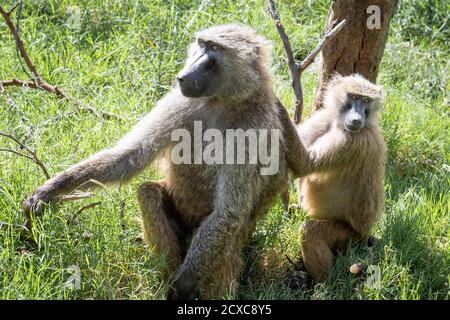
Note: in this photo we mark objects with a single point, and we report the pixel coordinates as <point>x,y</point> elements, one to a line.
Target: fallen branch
<point>31,153</point>
<point>296,68</point>
<point>37,82</point>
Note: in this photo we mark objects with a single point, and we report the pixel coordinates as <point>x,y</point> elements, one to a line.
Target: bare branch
<point>89,206</point>
<point>296,80</point>
<point>284,37</point>
<point>73,217</point>
<point>21,83</point>
<point>19,42</point>
<point>33,156</point>
<point>295,68</point>
<point>42,85</point>
<point>13,8</point>
<point>16,152</point>
<point>38,82</point>
<point>327,38</point>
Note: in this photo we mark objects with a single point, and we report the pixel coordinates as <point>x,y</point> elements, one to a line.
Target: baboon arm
<point>328,150</point>
<point>232,211</point>
<point>131,155</point>
<point>297,156</point>
<point>314,127</point>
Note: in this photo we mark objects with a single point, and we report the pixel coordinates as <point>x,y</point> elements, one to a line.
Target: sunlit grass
<point>122,60</point>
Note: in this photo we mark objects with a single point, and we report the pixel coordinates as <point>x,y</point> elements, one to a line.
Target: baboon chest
<point>192,166</point>
<point>192,189</point>
<point>195,160</point>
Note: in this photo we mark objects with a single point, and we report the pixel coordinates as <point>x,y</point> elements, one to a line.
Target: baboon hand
<point>35,204</point>
<point>182,290</point>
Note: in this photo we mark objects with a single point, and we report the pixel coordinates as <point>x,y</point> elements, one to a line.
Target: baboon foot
<point>372,241</point>
<point>300,280</point>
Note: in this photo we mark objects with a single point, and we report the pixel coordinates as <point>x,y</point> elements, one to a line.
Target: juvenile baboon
<point>225,84</point>
<point>344,193</point>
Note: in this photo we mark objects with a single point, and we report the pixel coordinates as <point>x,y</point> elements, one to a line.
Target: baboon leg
<point>320,239</point>
<point>160,225</point>
<point>372,241</point>
<point>224,279</point>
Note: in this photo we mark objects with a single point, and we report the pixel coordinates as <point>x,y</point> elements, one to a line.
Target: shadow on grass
<point>411,264</point>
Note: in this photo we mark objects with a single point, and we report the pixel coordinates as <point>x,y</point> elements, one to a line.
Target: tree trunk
<point>358,48</point>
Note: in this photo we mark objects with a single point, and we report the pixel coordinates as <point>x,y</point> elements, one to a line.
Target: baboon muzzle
<point>355,119</point>
<point>196,76</point>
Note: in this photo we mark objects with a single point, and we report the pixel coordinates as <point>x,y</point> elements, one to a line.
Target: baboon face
<point>355,111</point>
<point>227,62</point>
<point>199,77</point>
<point>353,101</point>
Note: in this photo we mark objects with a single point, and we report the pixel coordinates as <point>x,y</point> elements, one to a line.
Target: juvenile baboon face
<point>229,61</point>
<point>355,111</point>
<point>356,100</point>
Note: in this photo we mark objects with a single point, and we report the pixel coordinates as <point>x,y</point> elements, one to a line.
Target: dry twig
<point>31,153</point>
<point>37,82</point>
<point>297,68</point>
<point>72,219</point>
<point>89,206</point>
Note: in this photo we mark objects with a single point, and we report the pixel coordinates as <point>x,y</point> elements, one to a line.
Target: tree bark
<point>358,48</point>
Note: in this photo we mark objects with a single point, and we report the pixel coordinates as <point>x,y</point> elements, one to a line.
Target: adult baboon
<point>225,84</point>
<point>344,193</point>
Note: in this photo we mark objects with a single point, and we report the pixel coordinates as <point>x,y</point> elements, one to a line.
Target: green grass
<point>122,60</point>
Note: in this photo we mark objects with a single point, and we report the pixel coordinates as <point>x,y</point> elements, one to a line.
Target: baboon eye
<point>354,96</point>
<point>201,43</point>
<point>210,64</point>
<point>366,99</point>
<point>215,47</point>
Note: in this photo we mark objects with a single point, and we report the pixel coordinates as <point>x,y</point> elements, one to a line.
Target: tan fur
<point>344,194</point>
<point>201,215</point>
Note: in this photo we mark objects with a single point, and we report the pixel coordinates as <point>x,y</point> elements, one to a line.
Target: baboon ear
<point>382,93</point>
<point>334,79</point>
<point>381,96</point>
